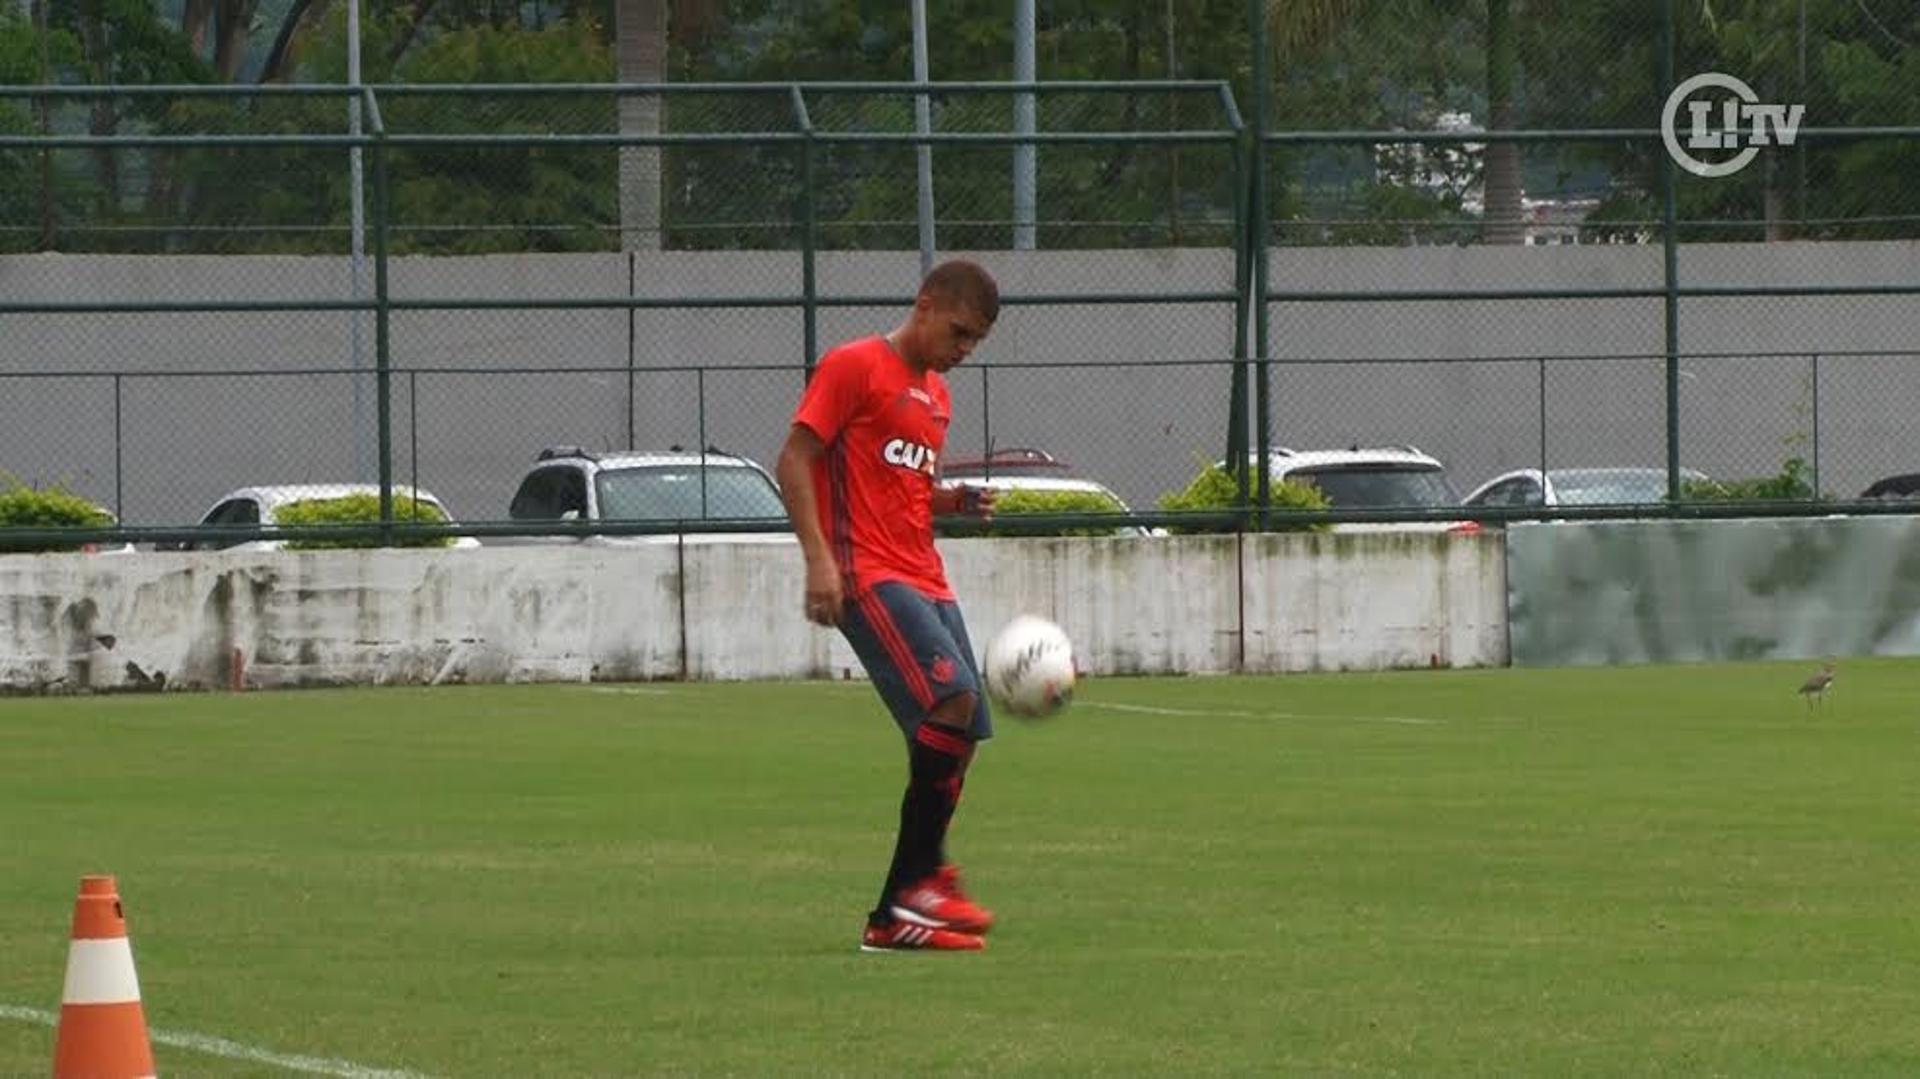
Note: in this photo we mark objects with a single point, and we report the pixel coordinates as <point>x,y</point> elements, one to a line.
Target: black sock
<point>937,760</point>
<point>954,787</point>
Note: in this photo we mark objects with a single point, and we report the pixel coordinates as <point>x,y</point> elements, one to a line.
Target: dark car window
<point>548,494</point>
<point>1370,486</point>
<point>676,493</point>
<point>239,511</point>
<point>234,511</point>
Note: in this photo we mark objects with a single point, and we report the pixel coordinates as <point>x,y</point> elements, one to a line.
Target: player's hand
<point>978,501</point>
<point>825,601</point>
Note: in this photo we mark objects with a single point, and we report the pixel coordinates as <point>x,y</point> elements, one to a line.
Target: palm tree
<point>640,55</point>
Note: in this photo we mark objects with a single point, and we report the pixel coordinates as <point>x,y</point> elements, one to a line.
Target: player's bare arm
<point>824,597</point>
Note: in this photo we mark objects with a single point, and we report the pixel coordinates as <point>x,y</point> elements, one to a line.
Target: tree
<point>29,50</point>
<point>1304,30</point>
<point>1112,194</point>
<point>1858,70</point>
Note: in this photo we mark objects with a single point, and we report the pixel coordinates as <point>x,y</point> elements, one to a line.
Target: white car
<point>675,486</point>
<point>1001,483</point>
<point>1578,487</point>
<point>262,505</point>
<point>109,548</point>
<point>1033,470</point>
<point>1372,478</point>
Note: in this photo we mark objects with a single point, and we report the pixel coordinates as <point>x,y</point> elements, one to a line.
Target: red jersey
<point>884,426</point>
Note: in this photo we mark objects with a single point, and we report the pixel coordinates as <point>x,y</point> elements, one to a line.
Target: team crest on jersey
<point>911,455</point>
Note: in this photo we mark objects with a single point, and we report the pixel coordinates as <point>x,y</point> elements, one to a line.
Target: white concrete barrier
<point>1193,604</point>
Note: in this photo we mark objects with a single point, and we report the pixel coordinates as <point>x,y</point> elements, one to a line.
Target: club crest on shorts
<point>942,669</point>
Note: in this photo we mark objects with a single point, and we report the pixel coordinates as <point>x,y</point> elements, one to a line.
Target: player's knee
<point>956,711</point>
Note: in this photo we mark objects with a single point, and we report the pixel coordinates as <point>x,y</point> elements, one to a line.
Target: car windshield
<point>1609,486</point>
<point>1371,486</point>
<point>675,493</point>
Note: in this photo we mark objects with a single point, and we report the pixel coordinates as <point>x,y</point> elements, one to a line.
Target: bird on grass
<point>1815,688</point>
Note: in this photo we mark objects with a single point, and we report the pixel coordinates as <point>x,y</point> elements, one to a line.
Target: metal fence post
<point>700,394</point>
<point>1257,226</point>
<point>1816,425</point>
<point>986,420</point>
<point>1243,247</point>
<point>382,328</point>
<point>413,430</point>
<point>119,510</point>
<point>1669,216</point>
<point>1543,418</point>
<point>633,344</point>
<point>809,239</point>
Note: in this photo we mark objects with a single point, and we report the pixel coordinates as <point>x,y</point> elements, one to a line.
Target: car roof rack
<point>552,453</point>
<point>711,451</point>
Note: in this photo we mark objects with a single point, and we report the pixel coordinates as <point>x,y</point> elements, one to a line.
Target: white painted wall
<point>72,622</point>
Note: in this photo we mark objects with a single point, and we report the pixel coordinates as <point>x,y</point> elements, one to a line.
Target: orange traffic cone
<point>103,1030</point>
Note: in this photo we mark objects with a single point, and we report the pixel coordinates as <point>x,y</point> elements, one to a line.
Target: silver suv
<point>568,483</point>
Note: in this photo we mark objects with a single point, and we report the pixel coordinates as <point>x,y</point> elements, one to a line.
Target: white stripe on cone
<point>101,972</point>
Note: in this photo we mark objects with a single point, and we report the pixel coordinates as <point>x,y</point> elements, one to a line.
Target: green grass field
<point>1652,871</point>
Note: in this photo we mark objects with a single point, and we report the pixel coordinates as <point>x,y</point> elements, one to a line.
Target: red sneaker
<point>938,903</point>
<point>904,936</point>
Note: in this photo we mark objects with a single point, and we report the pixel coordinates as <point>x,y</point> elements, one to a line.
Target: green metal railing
<point>1240,311</point>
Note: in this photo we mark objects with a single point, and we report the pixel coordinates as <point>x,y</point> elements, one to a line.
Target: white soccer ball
<point>1029,667</point>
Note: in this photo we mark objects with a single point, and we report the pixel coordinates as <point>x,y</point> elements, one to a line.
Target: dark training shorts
<point>917,653</point>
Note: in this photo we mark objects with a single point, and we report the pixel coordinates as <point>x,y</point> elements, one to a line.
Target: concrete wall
<point>468,431</point>
<point>73,622</point>
<point>1711,591</point>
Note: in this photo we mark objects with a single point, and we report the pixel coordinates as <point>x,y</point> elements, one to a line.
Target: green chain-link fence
<point>1478,248</point>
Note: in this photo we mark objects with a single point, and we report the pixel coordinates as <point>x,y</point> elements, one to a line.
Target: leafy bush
<point>22,506</point>
<point>1215,488</point>
<point>1793,483</point>
<point>360,509</point>
<point>1009,504</point>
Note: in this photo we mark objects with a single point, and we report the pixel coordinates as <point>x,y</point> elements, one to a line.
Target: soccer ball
<point>1030,667</point>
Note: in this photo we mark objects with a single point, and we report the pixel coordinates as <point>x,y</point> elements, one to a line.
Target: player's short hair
<point>962,281</point>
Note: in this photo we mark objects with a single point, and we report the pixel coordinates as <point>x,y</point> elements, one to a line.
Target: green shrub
<point>360,509</point>
<point>22,506</point>
<point>1215,488</point>
<point>1011,504</point>
<point>1793,483</point>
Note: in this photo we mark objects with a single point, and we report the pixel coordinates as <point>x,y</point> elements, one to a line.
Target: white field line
<point>1145,709</point>
<point>221,1047</point>
<point>863,686</point>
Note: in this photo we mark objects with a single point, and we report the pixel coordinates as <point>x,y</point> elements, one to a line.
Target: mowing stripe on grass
<point>1151,710</point>
<point>221,1047</point>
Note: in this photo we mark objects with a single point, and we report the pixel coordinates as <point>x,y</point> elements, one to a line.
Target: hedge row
<point>1215,488</point>
<point>360,509</point>
<point>22,506</point>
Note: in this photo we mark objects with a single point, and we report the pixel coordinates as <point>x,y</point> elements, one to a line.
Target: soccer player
<point>857,473</point>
